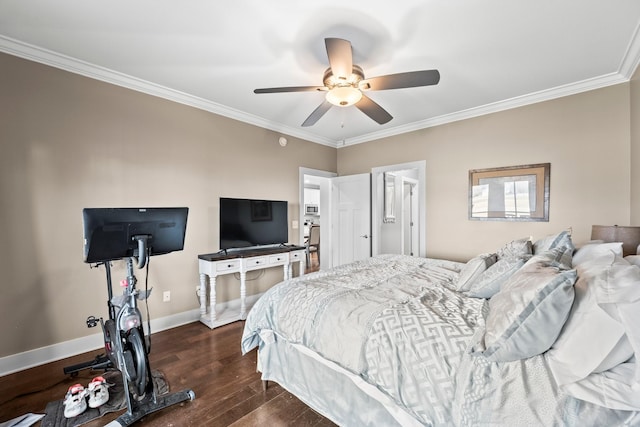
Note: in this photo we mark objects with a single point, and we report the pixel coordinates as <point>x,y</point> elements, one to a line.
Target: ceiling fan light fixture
<point>344,96</point>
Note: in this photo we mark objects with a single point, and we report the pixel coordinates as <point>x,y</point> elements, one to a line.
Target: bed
<point>499,340</point>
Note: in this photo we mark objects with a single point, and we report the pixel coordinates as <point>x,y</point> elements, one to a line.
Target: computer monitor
<point>116,233</point>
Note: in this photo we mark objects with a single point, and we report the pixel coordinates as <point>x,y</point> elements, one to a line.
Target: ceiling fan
<point>344,84</point>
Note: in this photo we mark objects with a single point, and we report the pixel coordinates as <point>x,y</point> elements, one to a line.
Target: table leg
<point>212,298</point>
<point>303,266</point>
<point>203,295</point>
<point>243,295</point>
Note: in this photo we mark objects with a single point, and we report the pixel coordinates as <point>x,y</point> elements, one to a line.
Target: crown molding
<point>76,66</point>
<point>18,48</point>
<point>520,101</point>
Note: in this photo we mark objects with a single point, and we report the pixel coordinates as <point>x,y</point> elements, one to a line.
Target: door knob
<point>365,236</point>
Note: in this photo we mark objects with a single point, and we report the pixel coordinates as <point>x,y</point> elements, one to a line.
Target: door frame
<point>377,203</point>
<point>325,211</point>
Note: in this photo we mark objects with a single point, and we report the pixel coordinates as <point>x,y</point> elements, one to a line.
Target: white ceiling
<point>491,54</point>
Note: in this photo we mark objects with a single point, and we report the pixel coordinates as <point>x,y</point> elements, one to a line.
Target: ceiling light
<point>344,96</point>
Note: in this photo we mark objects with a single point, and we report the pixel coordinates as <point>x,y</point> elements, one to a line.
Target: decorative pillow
<point>560,256</point>
<point>526,316</point>
<point>489,282</point>
<point>594,250</point>
<point>563,239</point>
<point>474,268</point>
<point>516,249</point>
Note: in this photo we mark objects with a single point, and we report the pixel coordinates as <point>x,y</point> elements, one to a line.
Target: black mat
<point>55,410</point>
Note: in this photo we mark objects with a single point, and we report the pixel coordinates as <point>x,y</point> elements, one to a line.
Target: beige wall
<point>635,148</point>
<point>585,137</point>
<point>69,142</point>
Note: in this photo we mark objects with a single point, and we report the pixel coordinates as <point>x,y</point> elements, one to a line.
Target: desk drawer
<point>297,256</point>
<point>255,262</point>
<point>228,265</point>
<point>278,259</point>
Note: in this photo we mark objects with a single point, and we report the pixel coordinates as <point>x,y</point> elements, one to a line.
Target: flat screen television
<point>114,233</point>
<point>249,223</point>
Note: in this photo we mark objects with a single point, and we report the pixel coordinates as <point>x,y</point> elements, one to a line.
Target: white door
<point>409,216</point>
<point>350,218</point>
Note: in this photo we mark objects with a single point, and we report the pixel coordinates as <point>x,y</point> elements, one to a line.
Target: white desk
<point>213,265</point>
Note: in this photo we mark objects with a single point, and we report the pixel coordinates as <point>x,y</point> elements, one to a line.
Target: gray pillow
<point>516,249</point>
<point>473,269</point>
<point>528,313</point>
<point>562,239</point>
<point>490,281</point>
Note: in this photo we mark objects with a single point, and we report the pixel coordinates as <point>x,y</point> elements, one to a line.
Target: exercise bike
<point>126,348</point>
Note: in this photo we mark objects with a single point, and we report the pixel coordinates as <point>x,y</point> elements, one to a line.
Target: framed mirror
<point>389,197</point>
<point>514,193</point>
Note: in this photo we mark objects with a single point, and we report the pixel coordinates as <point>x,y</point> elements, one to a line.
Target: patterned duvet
<point>391,320</point>
<point>397,323</point>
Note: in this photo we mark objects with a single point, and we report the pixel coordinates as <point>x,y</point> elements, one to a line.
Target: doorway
<point>315,189</point>
<point>403,232</point>
<point>344,214</point>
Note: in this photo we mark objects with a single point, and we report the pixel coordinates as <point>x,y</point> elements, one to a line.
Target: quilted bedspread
<point>392,320</point>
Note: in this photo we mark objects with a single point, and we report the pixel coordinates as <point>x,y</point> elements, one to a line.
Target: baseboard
<point>40,356</point>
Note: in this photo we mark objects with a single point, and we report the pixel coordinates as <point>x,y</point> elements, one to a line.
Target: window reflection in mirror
<point>517,193</point>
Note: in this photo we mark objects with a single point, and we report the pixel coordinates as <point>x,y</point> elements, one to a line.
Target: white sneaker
<point>74,401</point>
<point>98,392</point>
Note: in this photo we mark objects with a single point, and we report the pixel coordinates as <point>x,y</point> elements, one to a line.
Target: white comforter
<point>397,323</point>
<point>391,320</point>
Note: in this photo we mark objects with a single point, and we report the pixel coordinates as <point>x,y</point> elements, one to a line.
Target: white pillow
<point>473,269</point>
<point>618,387</point>
<point>633,259</point>
<point>526,316</point>
<point>594,250</point>
<point>615,389</point>
<point>589,335</point>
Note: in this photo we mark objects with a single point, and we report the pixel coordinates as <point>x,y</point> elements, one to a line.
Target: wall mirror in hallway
<point>398,209</point>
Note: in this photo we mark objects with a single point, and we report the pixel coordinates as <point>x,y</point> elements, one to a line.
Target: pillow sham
<point>515,249</point>
<point>526,316</point>
<point>594,250</point>
<point>473,269</point>
<point>488,283</point>
<point>562,239</point>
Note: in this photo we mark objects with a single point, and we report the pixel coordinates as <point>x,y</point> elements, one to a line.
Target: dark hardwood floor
<point>228,389</point>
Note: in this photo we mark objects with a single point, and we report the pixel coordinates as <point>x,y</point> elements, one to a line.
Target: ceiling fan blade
<point>340,57</point>
<point>401,80</point>
<point>373,110</point>
<point>291,89</point>
<point>317,113</point>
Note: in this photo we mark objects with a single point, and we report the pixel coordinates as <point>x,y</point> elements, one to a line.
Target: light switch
<point>294,224</point>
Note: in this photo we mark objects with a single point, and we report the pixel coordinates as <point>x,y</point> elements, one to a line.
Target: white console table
<point>217,264</point>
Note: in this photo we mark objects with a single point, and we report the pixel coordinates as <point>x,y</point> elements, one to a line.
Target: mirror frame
<point>541,173</point>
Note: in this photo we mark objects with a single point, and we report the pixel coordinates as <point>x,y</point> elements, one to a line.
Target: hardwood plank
<point>210,362</point>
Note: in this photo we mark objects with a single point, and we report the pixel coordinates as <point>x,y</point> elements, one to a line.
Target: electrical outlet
<point>166,296</point>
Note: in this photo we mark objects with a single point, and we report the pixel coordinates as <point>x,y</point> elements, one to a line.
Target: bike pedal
<point>92,322</point>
